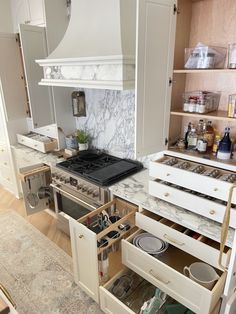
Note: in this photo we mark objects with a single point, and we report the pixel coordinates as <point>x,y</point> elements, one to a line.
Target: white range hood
<point>98,49</point>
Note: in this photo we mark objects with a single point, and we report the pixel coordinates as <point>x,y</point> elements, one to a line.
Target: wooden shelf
<point>199,71</point>
<point>215,115</point>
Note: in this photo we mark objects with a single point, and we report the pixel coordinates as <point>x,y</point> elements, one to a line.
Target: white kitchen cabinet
<point>156,22</point>
<point>27,12</point>
<point>84,245</point>
<point>12,107</point>
<point>33,45</point>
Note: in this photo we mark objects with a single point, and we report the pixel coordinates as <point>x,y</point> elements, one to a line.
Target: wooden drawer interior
<point>173,257</point>
<point>137,292</point>
<point>191,234</point>
<point>187,165</point>
<point>113,232</point>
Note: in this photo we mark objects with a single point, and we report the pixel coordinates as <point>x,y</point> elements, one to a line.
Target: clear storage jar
<point>200,101</point>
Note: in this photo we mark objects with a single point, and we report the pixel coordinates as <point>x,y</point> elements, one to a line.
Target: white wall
<point>6,25</point>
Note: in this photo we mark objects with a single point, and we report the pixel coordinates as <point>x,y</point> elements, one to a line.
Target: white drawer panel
<point>194,181</point>
<point>205,249</point>
<point>166,274</point>
<point>108,302</point>
<point>7,174</point>
<point>4,156</point>
<point>196,204</point>
<point>37,145</point>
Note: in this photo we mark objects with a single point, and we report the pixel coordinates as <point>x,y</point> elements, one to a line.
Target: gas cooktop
<point>100,168</point>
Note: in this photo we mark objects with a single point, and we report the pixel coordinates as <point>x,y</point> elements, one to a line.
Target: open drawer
<point>91,243</point>
<point>186,177</point>
<point>166,273</point>
<point>130,301</point>
<point>197,203</point>
<point>187,240</point>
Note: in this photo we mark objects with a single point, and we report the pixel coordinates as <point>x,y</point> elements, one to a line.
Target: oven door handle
<point>72,197</point>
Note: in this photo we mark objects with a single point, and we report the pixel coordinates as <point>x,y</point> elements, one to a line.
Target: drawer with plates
<point>185,239</point>
<point>194,175</point>
<point>196,202</point>
<point>167,273</point>
<point>38,142</point>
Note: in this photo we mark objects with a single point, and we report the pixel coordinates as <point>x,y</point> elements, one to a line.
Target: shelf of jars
<point>215,115</point>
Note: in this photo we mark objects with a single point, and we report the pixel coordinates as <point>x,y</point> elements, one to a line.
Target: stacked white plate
<point>150,244</point>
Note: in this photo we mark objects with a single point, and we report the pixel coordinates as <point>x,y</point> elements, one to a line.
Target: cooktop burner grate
<point>100,168</point>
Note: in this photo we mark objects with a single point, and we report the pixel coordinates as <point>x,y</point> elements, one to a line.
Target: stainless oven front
<point>69,203</point>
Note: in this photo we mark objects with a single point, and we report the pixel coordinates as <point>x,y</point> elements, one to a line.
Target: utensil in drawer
<point>31,198</point>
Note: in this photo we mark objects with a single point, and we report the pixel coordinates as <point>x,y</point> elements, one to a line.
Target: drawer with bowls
<point>193,176</point>
<point>185,278</point>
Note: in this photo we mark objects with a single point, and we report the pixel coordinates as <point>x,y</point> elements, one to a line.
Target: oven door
<point>67,204</point>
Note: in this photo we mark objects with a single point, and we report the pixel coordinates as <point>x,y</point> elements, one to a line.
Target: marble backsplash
<point>110,121</point>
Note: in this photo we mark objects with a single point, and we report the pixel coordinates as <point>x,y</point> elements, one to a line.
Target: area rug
<point>36,272</point>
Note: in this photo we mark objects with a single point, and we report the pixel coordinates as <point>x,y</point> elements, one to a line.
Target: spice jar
<point>232,56</point>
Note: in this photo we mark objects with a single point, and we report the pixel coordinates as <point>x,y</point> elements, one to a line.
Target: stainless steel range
<point>80,184</point>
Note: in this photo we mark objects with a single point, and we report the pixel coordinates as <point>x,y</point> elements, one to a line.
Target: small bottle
<point>224,151</point>
<point>192,139</point>
<point>199,129</point>
<point>209,135</point>
<point>216,144</point>
<point>187,133</point>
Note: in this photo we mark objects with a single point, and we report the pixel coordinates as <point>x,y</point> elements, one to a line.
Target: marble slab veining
<point>135,190</point>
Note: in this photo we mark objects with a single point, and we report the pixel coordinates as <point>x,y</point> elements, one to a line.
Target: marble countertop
<point>135,190</point>
<point>39,157</point>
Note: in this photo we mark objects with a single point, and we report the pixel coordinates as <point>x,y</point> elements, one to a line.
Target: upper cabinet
<point>33,45</point>
<point>27,12</point>
<point>154,68</point>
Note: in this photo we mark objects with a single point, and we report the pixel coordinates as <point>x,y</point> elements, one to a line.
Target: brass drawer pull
<point>81,236</point>
<point>212,212</point>
<point>168,174</point>
<point>173,240</point>
<point>167,194</point>
<point>151,272</point>
<point>215,189</point>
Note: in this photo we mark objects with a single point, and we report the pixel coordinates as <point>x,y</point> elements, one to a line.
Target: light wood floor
<point>42,221</point>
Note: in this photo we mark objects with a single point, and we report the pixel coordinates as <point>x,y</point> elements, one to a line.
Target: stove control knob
<point>90,191</point>
<point>62,179</point>
<point>79,187</point>
<point>84,188</point>
<point>57,177</point>
<point>95,194</point>
<point>53,175</point>
<point>66,180</point>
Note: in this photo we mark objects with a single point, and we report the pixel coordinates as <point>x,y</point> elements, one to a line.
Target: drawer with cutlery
<point>168,270</point>
<point>185,239</point>
<point>198,203</point>
<point>194,175</point>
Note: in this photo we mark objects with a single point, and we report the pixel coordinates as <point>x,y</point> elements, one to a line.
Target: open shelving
<point>200,71</point>
<point>215,115</point>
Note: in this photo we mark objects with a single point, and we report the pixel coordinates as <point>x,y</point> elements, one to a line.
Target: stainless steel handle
<point>151,272</point>
<point>173,240</point>
<point>72,197</point>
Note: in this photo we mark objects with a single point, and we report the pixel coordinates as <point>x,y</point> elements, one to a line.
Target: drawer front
<point>32,143</point>
<point>111,305</point>
<point>7,174</point>
<point>197,298</point>
<point>180,240</point>
<point>4,156</point>
<point>196,204</point>
<point>213,187</point>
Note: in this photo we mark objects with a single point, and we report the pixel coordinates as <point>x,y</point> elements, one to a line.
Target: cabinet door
<point>33,42</point>
<point>231,305</point>
<point>155,50</point>
<point>36,12</point>
<point>85,260</point>
<point>20,13</point>
<point>11,77</point>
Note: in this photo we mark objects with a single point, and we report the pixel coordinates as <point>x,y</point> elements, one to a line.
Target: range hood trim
<point>100,56</point>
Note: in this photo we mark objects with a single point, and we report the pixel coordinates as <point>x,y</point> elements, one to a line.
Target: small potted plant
<point>83,139</point>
